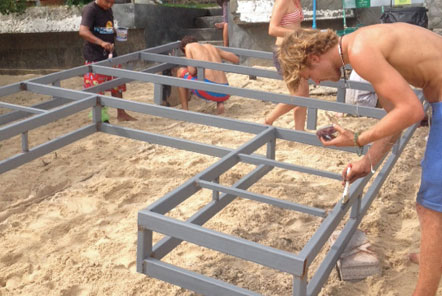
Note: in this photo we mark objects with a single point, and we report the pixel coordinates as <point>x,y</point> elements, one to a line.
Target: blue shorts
<point>206,95</point>
<point>276,62</point>
<point>430,191</point>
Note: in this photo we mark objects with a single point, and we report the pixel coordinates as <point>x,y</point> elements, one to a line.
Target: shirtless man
<point>390,57</point>
<point>204,52</point>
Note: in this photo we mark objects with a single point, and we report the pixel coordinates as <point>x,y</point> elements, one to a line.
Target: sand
<point>68,220</point>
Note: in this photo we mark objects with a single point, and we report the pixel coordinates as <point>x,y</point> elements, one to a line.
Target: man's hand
<point>359,169</point>
<point>109,47</point>
<point>344,138</point>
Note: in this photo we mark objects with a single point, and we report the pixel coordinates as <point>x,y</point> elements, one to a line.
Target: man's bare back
<point>209,53</point>
<point>414,52</point>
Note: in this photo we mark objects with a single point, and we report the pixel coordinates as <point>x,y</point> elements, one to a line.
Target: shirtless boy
<point>390,57</point>
<point>204,52</point>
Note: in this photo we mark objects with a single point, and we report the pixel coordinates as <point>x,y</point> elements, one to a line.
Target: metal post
<point>300,285</point>
<point>144,247</point>
<point>157,93</point>
<point>200,73</point>
<point>340,97</point>
<point>24,142</point>
<point>215,193</point>
<point>312,118</point>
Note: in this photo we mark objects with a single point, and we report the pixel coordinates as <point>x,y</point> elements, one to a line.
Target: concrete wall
<point>164,24</point>
<point>52,51</point>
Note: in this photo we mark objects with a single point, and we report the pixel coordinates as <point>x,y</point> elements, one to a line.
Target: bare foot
<point>414,257</point>
<point>264,121</point>
<point>123,116</point>
<point>219,108</point>
<point>219,25</point>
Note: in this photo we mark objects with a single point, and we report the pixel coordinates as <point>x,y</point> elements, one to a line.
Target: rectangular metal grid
<point>66,102</point>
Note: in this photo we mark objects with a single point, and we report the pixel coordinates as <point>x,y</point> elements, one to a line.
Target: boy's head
<point>186,40</point>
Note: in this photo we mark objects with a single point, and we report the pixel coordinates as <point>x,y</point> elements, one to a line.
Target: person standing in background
<point>97,30</point>
<point>286,17</point>
<point>225,23</point>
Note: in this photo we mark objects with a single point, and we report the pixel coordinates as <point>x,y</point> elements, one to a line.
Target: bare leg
<point>220,108</point>
<point>184,97</point>
<point>430,257</point>
<point>183,93</point>
<point>226,34</point>
<point>121,113</point>
<point>299,112</point>
<point>279,110</point>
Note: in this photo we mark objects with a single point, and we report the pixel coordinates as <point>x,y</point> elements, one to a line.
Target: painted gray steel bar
<point>56,91</point>
<point>77,71</point>
<point>165,140</point>
<point>62,75</point>
<point>226,67</point>
<point>194,281</point>
<point>252,159</point>
<point>330,260</point>
<point>21,108</point>
<point>17,115</point>
<point>207,149</point>
<point>10,89</point>
<point>249,52</point>
<point>232,158</point>
<point>42,119</point>
<point>262,198</point>
<point>311,139</point>
<point>238,247</point>
<point>175,197</point>
<point>317,241</point>
<point>130,57</point>
<point>216,121</point>
<point>167,244</point>
<point>40,150</point>
<point>123,59</point>
<point>163,48</point>
<point>115,82</point>
<point>188,116</point>
<point>242,92</point>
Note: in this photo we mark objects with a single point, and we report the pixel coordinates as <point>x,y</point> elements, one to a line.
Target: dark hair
<point>186,40</point>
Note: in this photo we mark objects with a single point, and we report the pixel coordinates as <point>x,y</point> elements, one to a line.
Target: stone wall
<point>47,37</point>
<point>434,15</point>
<point>249,30</point>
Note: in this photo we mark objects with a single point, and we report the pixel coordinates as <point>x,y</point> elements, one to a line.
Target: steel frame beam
<point>67,102</point>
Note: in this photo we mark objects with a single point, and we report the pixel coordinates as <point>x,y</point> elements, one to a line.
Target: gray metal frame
<point>66,102</point>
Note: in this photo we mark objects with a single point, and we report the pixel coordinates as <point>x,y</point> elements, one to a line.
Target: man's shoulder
<point>89,7</point>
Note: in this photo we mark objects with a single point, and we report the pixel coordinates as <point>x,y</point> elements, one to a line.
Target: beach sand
<point>68,220</point>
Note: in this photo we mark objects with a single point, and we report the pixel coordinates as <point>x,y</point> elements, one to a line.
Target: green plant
<point>76,2</point>
<point>191,5</point>
<point>12,6</point>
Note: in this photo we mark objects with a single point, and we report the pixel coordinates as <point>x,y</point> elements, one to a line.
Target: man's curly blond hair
<point>295,49</point>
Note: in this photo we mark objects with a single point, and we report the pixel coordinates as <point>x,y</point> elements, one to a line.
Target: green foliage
<point>12,6</point>
<point>191,5</point>
<point>77,2</point>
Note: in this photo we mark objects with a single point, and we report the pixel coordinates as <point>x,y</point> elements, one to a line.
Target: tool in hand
<point>345,194</point>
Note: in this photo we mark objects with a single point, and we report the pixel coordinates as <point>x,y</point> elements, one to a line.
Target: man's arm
<point>87,35</point>
<point>278,11</point>
<point>228,56</point>
<point>395,95</point>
